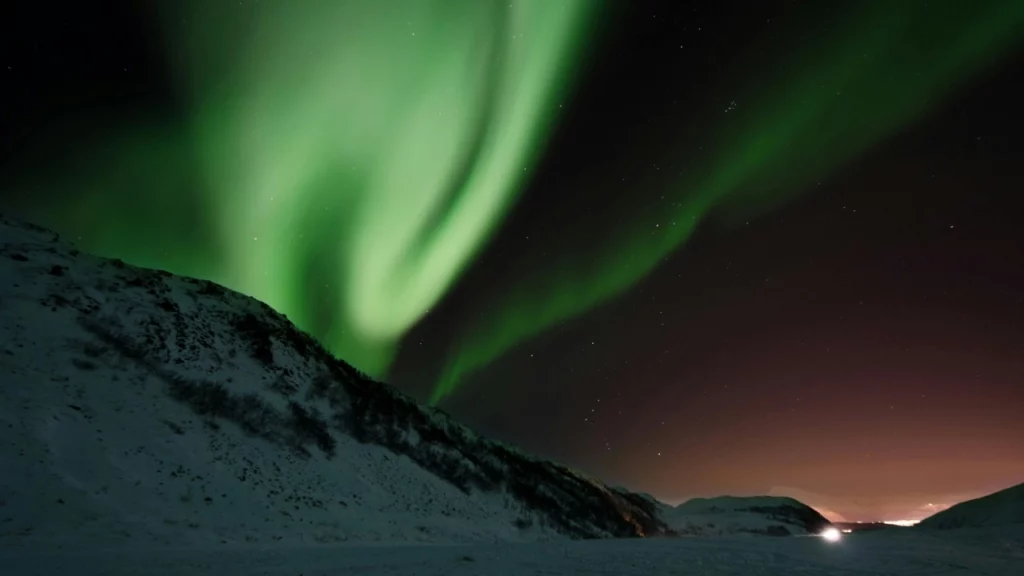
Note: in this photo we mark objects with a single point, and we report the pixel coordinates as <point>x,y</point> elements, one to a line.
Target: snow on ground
<point>902,552</point>
<point>152,424</point>
<point>140,408</point>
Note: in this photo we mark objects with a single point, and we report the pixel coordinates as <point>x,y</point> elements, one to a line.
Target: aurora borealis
<point>346,151</point>
<point>527,206</point>
<point>411,123</point>
<point>867,80</point>
<point>352,155</point>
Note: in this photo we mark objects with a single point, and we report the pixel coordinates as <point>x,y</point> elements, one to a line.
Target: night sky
<point>750,247</point>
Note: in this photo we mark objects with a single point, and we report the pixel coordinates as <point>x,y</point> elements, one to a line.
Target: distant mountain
<point>865,526</point>
<point>767,515</point>
<point>1001,508</point>
<point>141,407</point>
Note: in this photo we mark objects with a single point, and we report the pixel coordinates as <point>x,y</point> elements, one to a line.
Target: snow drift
<point>141,407</point>
<point>1001,508</point>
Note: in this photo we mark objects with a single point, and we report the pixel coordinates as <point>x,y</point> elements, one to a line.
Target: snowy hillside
<point>140,407</point>
<point>767,515</point>
<point>1001,508</point>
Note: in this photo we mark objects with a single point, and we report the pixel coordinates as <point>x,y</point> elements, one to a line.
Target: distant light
<point>901,522</point>
<point>831,534</point>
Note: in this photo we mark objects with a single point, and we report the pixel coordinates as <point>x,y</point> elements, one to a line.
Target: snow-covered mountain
<point>767,515</point>
<point>140,407</point>
<point>1002,508</point>
<point>146,420</point>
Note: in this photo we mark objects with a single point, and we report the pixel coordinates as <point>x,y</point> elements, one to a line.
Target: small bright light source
<point>831,534</point>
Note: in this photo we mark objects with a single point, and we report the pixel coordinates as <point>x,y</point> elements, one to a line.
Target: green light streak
<point>350,157</point>
<point>888,66</point>
<point>415,121</point>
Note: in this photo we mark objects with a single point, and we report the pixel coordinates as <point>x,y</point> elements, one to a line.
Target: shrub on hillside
<point>310,426</point>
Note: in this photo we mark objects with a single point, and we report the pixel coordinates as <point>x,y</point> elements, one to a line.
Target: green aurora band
<point>351,157</point>
<point>884,67</point>
<point>345,160</point>
<point>412,124</point>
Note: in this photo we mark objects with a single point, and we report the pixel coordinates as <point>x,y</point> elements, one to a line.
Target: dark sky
<point>860,347</point>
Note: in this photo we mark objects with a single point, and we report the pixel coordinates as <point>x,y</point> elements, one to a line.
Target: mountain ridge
<point>141,407</point>
<point>765,515</point>
<point>243,370</point>
<point>1000,508</point>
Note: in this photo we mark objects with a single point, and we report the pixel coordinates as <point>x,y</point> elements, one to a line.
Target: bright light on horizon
<point>901,522</point>
<point>831,534</point>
